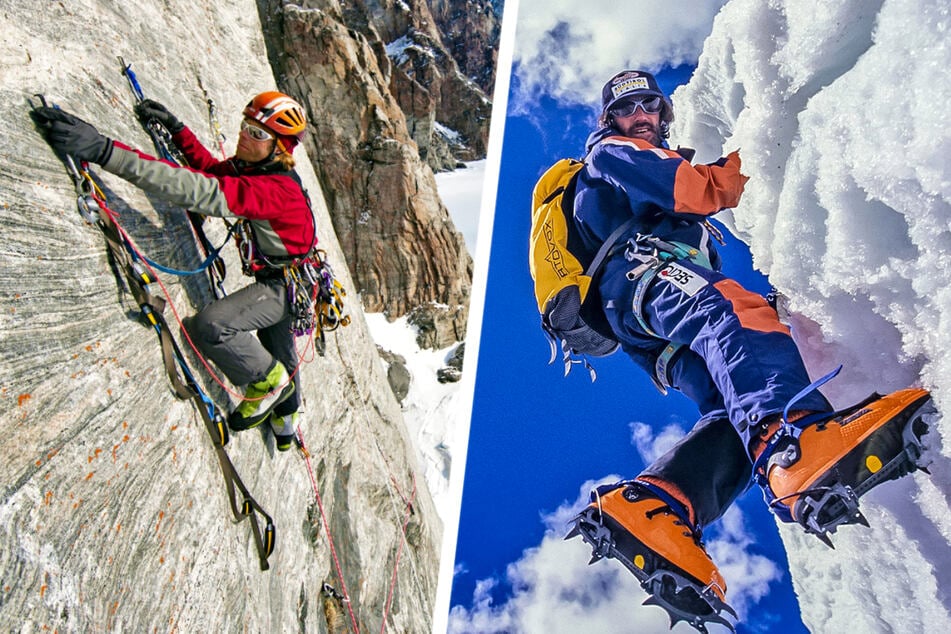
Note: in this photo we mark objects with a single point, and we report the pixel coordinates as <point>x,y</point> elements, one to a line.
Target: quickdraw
<point>213,119</point>
<point>146,287</point>
<point>315,298</point>
<point>330,297</point>
<point>299,280</point>
<point>166,149</point>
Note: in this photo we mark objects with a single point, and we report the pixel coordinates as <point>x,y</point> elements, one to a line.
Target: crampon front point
<point>821,476</point>
<point>606,525</point>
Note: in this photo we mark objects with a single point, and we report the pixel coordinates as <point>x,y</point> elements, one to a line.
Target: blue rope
<point>201,267</point>
<point>815,385</point>
<point>167,269</point>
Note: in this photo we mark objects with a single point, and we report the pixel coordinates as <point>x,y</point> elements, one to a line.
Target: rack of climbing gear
<point>145,287</point>
<point>328,304</point>
<point>315,296</point>
<point>167,150</point>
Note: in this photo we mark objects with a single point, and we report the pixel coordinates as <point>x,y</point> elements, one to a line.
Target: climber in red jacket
<point>257,186</point>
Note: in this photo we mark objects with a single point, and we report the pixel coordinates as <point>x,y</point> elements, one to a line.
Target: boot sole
<point>878,455</point>
<point>682,595</point>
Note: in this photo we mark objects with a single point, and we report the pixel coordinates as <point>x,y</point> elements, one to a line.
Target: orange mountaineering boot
<point>814,472</point>
<point>637,524</point>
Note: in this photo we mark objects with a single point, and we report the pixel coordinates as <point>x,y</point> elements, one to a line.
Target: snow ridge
<point>839,111</point>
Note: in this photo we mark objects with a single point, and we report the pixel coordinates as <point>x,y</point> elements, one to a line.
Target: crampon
<point>608,525</point>
<point>817,480</point>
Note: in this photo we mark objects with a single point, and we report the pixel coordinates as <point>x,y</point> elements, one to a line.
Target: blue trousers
<point>740,365</point>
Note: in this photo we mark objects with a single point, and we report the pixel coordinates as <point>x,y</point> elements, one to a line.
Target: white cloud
<point>748,575</point>
<point>652,446</point>
<point>568,52</point>
<point>555,591</point>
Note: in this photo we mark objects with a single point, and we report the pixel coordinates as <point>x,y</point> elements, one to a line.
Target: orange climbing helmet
<point>280,114</point>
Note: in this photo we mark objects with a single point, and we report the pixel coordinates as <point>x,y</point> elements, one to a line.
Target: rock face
<point>378,83</point>
<point>470,31</point>
<point>112,511</point>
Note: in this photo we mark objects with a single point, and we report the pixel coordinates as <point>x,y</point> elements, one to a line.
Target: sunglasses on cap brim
<point>650,105</point>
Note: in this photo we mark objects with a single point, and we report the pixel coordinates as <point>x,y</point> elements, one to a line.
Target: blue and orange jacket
<point>668,197</point>
<point>279,212</point>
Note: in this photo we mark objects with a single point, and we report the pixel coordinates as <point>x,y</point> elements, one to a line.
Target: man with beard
<point>691,328</point>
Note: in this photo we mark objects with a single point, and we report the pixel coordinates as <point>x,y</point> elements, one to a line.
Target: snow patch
<point>436,414</point>
<point>461,192</point>
<point>397,49</point>
<point>431,409</point>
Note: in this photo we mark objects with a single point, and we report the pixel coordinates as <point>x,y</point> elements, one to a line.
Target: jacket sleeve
<point>195,153</point>
<point>657,176</point>
<point>250,197</point>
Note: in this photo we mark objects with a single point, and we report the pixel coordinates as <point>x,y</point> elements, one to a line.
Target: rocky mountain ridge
<point>389,104</point>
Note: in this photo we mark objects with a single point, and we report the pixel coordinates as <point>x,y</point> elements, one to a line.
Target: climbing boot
<point>261,398</point>
<point>814,473</point>
<point>630,522</point>
<point>285,430</point>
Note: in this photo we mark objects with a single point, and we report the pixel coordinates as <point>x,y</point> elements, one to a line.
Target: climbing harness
<point>654,256</point>
<point>315,296</point>
<point>166,149</point>
<point>146,287</point>
<point>661,376</point>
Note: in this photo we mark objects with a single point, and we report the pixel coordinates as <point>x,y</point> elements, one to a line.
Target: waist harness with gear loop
<point>654,255</point>
<point>315,298</point>
<point>314,294</point>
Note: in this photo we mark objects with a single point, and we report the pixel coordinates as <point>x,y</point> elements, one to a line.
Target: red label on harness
<point>684,279</point>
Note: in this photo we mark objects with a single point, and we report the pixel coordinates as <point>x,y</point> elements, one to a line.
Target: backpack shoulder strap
<point>567,191</point>
<point>606,247</point>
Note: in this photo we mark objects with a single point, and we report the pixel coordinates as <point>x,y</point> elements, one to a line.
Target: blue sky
<point>536,437</point>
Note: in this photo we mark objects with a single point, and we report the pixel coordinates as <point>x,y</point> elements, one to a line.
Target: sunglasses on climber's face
<point>256,133</point>
<point>650,105</point>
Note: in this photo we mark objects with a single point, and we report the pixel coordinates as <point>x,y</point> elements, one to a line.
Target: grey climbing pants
<point>224,331</point>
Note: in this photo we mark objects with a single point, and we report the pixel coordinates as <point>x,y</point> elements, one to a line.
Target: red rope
<point>330,540</point>
<point>399,552</point>
<point>114,217</point>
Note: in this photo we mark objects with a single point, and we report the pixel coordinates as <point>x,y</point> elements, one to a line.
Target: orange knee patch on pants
<point>751,309</point>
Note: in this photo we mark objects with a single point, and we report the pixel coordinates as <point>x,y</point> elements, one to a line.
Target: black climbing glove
<point>68,134</point>
<point>148,109</point>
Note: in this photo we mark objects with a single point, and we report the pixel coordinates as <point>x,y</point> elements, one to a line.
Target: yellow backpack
<point>561,281</point>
